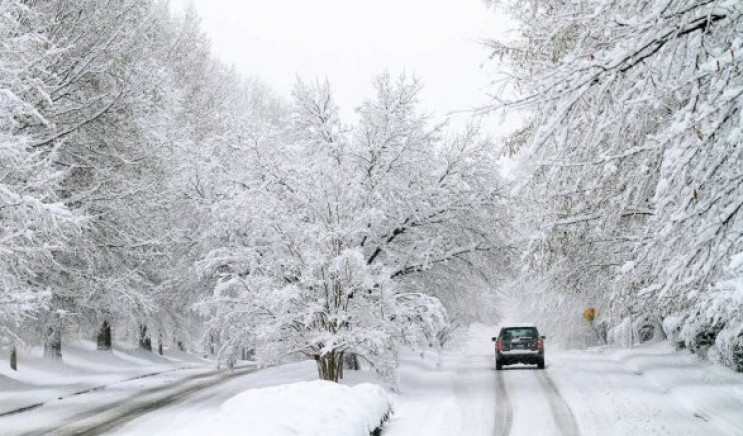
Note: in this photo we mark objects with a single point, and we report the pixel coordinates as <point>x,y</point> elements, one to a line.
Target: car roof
<point>519,325</point>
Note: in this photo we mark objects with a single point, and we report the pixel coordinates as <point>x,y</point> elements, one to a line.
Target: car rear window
<point>518,332</point>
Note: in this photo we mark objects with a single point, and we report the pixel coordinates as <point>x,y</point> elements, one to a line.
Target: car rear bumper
<point>519,356</point>
<point>519,353</point>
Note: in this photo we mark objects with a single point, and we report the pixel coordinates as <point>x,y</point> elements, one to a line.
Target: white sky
<point>351,41</point>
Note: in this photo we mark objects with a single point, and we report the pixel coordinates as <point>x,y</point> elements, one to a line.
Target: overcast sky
<point>351,41</point>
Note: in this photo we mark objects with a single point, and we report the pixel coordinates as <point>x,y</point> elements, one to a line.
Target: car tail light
<point>540,345</point>
<point>499,344</point>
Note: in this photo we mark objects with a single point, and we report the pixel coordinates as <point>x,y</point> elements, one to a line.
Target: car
<point>519,344</point>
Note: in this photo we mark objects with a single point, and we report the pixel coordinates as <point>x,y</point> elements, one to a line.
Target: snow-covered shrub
<point>715,329</point>
<point>672,328</point>
<point>646,327</point>
<point>423,317</point>
<point>649,328</point>
<point>728,347</point>
<point>702,327</point>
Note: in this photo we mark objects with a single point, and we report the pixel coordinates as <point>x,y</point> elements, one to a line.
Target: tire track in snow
<point>111,415</point>
<point>503,408</point>
<point>140,410</point>
<point>564,417</point>
<point>86,391</point>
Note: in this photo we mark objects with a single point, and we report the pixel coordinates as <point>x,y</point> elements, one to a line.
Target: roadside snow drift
<point>315,408</point>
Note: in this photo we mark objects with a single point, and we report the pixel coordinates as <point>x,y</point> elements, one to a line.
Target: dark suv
<point>519,344</point>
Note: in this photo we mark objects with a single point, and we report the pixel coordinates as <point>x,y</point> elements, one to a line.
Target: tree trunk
<point>351,361</point>
<point>145,342</point>
<point>601,338</point>
<point>340,367</point>
<point>212,345</point>
<point>53,338</point>
<point>103,340</point>
<point>319,367</point>
<point>13,359</point>
<point>329,366</point>
<point>160,343</point>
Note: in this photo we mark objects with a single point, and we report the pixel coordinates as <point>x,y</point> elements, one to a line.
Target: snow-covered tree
<point>325,241</point>
<point>99,130</point>
<point>34,222</point>
<point>102,93</point>
<point>632,156</point>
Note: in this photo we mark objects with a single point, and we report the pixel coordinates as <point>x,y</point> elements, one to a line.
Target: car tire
<point>540,363</point>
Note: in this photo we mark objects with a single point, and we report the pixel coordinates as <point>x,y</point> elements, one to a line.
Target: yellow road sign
<point>590,314</point>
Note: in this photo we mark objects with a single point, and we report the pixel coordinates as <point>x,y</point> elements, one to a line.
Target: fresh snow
<point>455,397</point>
<point>273,401</point>
<point>60,394</point>
<point>315,408</point>
<point>83,368</point>
<point>205,405</point>
<point>646,390</point>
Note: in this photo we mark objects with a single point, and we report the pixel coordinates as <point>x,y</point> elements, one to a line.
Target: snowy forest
<point>151,195</point>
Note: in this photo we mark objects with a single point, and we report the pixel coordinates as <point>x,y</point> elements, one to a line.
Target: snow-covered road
<point>648,390</point>
<point>206,403</point>
<point>531,396</point>
<point>99,411</point>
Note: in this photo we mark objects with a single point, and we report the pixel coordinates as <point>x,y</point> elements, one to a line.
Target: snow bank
<point>316,408</point>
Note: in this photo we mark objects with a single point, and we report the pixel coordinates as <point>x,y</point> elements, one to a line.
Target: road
<point>649,390</point>
<point>531,395</point>
<point>101,410</point>
<point>169,419</point>
<point>105,419</point>
<point>146,406</point>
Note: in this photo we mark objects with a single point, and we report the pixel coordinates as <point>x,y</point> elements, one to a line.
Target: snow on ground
<point>315,408</point>
<point>206,404</point>
<point>647,390</point>
<point>56,393</point>
<point>83,367</point>
<point>282,400</point>
<point>456,398</point>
